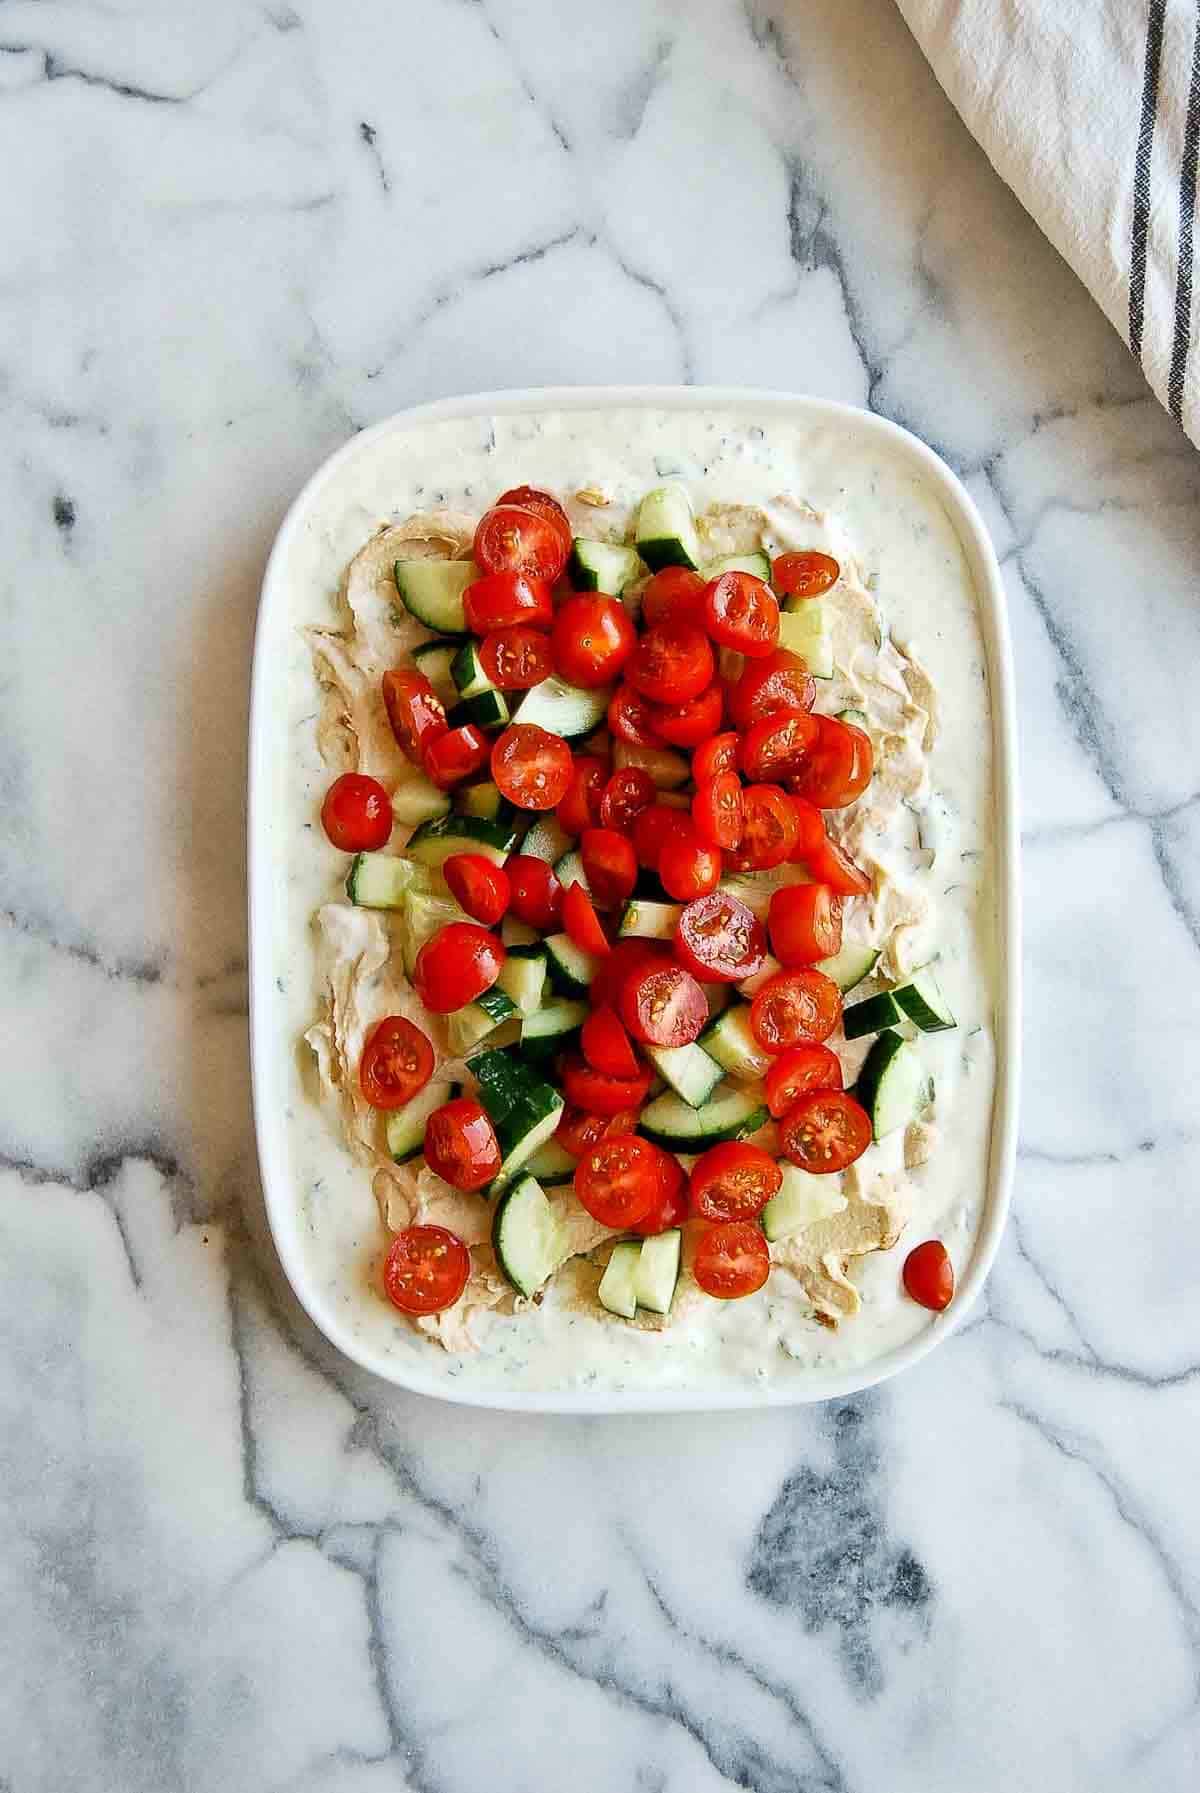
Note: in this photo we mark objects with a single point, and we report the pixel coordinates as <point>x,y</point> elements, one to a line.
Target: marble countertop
<point>230,235</point>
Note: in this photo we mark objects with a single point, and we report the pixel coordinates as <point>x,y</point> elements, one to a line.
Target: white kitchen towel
<point>1090,110</point>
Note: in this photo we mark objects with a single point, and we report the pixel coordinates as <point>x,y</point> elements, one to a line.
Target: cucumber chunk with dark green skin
<point>891,1084</point>
<point>666,529</point>
<point>871,1015</point>
<point>526,1236</point>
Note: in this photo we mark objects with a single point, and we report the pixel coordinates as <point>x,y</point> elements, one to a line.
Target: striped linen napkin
<point>1090,110</point>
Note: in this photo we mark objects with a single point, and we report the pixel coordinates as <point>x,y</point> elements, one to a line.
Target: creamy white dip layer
<point>824,486</point>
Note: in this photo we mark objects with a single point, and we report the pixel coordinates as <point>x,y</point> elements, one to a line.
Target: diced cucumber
<point>856,719</point>
<point>489,710</point>
<point>476,1020</point>
<point>690,1072</point>
<point>871,1015</point>
<point>417,799</point>
<point>433,658</point>
<point>730,1042</point>
<point>666,529</point>
<point>731,1113</point>
<point>890,1084</point>
<point>650,921</point>
<point>432,591</point>
<point>569,869</point>
<point>523,978</point>
<point>618,1285</point>
<point>757,564</point>
<point>750,986</point>
<point>801,1201</point>
<point>804,630</point>
<point>602,566</point>
<point>658,1271</point>
<point>552,1163</point>
<point>425,911</point>
<point>518,933</point>
<point>379,880</point>
<point>553,1020</point>
<point>923,1002</point>
<point>406,1126</point>
<point>546,840</point>
<point>850,966</point>
<point>523,1108</point>
<point>666,770</point>
<point>526,1236</point>
<point>571,970</point>
<point>434,842</point>
<point>467,671</point>
<point>562,709</point>
<point>484,801</point>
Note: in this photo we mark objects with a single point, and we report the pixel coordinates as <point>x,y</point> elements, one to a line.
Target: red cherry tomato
<point>742,613</point>
<point>720,940</point>
<point>654,828</point>
<point>627,793</point>
<point>776,747</point>
<point>609,865</point>
<point>580,808</point>
<point>805,575</point>
<point>461,1145</point>
<point>532,498</point>
<point>826,863</point>
<point>478,886</point>
<point>577,1131</point>
<point>733,1182</point>
<point>458,964</point>
<point>592,639</point>
<point>415,711</point>
<point>595,1093</point>
<point>662,1004</point>
<point>825,1130</point>
<point>535,894</point>
<point>516,658</point>
<point>357,814</point>
<point>618,1181</point>
<point>670,1208</point>
<point>837,766</point>
<point>609,979</point>
<point>715,756</point>
<point>631,718</point>
<point>794,1006</point>
<point>804,923</point>
<point>768,829</point>
<point>531,766</point>
<point>687,866</point>
<point>671,663</point>
<point>810,830</point>
<point>780,682</point>
<point>449,758</point>
<point>512,539</point>
<point>929,1275</point>
<point>800,1069</point>
<point>686,725</point>
<point>675,594</point>
<point>732,1259</point>
<point>717,810</point>
<point>397,1061</point>
<point>606,1045</point>
<point>425,1270</point>
<point>506,600</point>
<point>581,921</point>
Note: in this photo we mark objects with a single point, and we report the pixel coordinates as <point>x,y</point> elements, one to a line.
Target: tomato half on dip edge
<point>458,964</point>
<point>928,1275</point>
<point>397,1061</point>
<point>425,1270</point>
<point>733,1181</point>
<point>825,1131</point>
<point>732,1259</point>
<point>461,1145</point>
<point>357,814</point>
<point>513,539</point>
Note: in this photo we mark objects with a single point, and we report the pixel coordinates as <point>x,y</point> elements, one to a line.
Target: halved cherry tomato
<point>732,1259</point>
<point>654,828</point>
<point>742,613</point>
<point>675,594</point>
<point>606,1044</point>
<point>686,725</point>
<point>794,1006</point>
<point>478,886</point>
<point>671,1208</point>
<point>929,1275</point>
<point>610,974</point>
<point>592,639</point>
<point>715,756</point>
<point>780,682</point>
<point>810,830</point>
<point>581,921</point>
<point>800,1069</point>
<point>504,600</point>
<point>827,863</point>
<point>513,539</point>
<point>720,940</point>
<point>837,766</point>
<point>415,711</point>
<point>532,498</point>
<point>357,813</point>
<point>776,747</point>
<point>531,766</point>
<point>662,1004</point>
<point>425,1270</point>
<point>618,1181</point>
<point>450,757</point>
<point>768,829</point>
<point>732,1181</point>
<point>627,793</point>
<point>461,1145</point>
<point>516,658</point>
<point>535,894</point>
<point>458,964</point>
<point>718,811</point>
<point>580,808</point>
<point>804,923</point>
<point>397,1061</point>
<point>631,718</point>
<point>806,574</point>
<point>671,663</point>
<point>825,1131</point>
<point>687,866</point>
<point>609,865</point>
<point>596,1093</point>
<point>577,1131</point>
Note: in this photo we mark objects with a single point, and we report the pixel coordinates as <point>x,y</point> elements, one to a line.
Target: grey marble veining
<point>229,236</point>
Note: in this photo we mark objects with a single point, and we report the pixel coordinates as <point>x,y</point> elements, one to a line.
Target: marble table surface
<point>230,235</point>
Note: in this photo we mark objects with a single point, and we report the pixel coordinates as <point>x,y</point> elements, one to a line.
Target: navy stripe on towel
<point>1141,174</point>
<point>1187,212</point>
